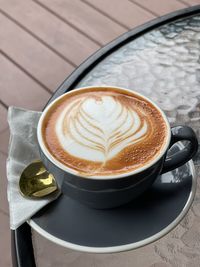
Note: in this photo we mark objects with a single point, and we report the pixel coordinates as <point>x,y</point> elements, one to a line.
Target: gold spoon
<point>36,182</point>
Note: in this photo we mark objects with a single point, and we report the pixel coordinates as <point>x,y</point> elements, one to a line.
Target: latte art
<point>103,131</point>
<point>97,129</point>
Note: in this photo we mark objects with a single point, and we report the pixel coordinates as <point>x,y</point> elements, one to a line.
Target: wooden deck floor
<point>42,42</point>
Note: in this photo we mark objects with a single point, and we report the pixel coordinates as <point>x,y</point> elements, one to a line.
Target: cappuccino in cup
<point>103,131</point>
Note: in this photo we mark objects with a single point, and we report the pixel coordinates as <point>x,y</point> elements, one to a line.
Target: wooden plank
<point>85,18</point>
<point>5,245</point>
<point>125,12</point>
<point>71,44</point>
<point>191,2</point>
<point>160,7</point>
<point>33,57</point>
<point>3,116</point>
<point>3,184</point>
<point>17,89</point>
<point>4,141</point>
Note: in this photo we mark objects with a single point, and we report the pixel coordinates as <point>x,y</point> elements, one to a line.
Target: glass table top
<point>164,65</point>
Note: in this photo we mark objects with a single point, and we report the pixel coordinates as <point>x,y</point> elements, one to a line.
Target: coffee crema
<point>103,131</point>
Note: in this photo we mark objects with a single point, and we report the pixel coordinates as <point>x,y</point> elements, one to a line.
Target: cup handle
<point>181,133</point>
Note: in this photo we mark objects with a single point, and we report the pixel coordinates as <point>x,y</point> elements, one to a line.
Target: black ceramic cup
<point>112,191</point>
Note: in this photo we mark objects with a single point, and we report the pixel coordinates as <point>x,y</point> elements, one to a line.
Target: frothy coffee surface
<point>103,131</point>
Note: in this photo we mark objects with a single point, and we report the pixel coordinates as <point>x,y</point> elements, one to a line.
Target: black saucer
<point>147,218</point>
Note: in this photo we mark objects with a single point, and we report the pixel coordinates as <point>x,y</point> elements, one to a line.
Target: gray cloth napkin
<point>23,149</point>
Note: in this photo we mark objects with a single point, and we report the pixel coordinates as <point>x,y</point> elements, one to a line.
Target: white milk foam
<point>98,129</point>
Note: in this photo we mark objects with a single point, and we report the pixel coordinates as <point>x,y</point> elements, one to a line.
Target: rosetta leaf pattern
<point>101,127</point>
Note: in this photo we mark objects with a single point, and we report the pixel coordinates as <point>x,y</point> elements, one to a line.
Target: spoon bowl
<point>36,182</point>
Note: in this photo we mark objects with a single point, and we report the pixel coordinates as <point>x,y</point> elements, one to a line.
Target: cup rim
<point>63,167</point>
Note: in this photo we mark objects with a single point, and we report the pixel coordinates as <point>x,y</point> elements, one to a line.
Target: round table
<point>161,60</point>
